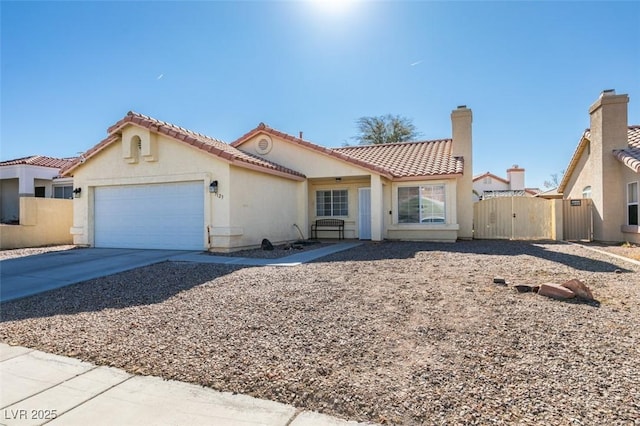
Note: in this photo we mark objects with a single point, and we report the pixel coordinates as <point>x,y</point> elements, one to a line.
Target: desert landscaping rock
<point>395,333</point>
<point>499,280</point>
<point>555,291</point>
<point>526,288</point>
<point>579,289</point>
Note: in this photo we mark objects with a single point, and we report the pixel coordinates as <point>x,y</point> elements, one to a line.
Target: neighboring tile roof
<point>399,160</point>
<point>409,159</point>
<point>39,160</point>
<point>197,140</point>
<point>487,174</point>
<point>629,156</point>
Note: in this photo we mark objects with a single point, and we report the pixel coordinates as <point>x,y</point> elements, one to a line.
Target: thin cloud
<point>160,76</point>
<point>416,63</point>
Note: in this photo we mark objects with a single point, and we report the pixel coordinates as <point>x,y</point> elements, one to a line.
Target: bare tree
<point>554,182</point>
<point>385,129</point>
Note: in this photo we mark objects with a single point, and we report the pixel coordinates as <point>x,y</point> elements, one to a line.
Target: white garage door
<point>158,216</point>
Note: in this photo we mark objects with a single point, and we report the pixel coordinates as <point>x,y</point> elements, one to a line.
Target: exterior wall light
<point>77,192</point>
<point>213,187</point>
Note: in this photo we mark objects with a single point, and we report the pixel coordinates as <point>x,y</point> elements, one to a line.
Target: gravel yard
<point>399,333</point>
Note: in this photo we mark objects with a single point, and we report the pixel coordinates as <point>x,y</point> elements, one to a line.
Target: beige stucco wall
<point>43,221</point>
<point>172,161</point>
<point>307,161</point>
<point>261,206</point>
<point>248,207</point>
<point>461,126</point>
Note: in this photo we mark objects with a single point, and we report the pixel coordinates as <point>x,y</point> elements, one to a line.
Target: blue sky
<point>528,70</point>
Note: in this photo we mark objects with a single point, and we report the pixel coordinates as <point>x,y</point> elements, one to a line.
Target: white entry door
<point>364,213</point>
<point>155,216</point>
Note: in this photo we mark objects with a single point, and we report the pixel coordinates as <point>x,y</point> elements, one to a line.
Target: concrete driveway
<point>25,276</point>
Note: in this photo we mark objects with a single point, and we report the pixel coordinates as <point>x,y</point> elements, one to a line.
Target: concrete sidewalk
<point>39,388</point>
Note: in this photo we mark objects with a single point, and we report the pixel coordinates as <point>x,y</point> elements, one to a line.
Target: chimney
<point>461,119</point>
<point>515,176</point>
<point>609,121</point>
<point>608,131</point>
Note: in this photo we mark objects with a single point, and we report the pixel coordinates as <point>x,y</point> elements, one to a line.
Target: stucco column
<point>608,119</point>
<point>376,208</point>
<point>26,185</point>
<point>303,208</point>
<point>461,119</point>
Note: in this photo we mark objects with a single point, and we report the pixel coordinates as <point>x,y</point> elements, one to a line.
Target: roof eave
<point>573,162</point>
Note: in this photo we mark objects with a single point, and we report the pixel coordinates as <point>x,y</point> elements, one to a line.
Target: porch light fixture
<point>77,192</point>
<point>213,187</point>
<point>338,179</point>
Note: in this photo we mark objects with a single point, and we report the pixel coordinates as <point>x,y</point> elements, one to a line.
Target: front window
<point>586,192</point>
<point>65,192</point>
<point>421,204</point>
<point>632,203</point>
<point>332,203</point>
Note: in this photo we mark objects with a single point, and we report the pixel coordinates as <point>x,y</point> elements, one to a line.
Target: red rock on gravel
<point>555,291</point>
<point>579,289</point>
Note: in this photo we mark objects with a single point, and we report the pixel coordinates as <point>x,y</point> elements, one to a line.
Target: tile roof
<point>399,160</point>
<point>263,128</point>
<point>205,143</point>
<point>409,159</point>
<point>487,174</point>
<point>39,160</point>
<point>629,156</point>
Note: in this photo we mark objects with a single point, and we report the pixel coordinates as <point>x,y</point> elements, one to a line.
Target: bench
<point>328,225</point>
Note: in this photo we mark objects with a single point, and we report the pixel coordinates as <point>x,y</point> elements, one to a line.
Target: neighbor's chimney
<point>515,176</point>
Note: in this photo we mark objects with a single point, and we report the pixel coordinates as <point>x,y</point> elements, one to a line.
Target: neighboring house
<point>34,176</point>
<point>151,184</point>
<point>488,185</point>
<point>606,168</point>
<point>550,194</point>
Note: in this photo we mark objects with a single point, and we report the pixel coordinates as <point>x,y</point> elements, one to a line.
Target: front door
<point>364,213</point>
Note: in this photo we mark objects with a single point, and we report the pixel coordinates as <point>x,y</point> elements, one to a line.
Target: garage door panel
<point>164,216</point>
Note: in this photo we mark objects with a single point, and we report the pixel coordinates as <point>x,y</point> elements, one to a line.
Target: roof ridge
<point>175,126</point>
<point>395,143</point>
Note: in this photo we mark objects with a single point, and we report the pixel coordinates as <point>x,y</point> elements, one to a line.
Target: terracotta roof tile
<point>409,159</point>
<point>40,160</point>
<point>401,160</point>
<point>631,156</point>
<point>197,140</point>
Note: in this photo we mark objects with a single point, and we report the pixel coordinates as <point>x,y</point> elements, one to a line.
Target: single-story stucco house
<point>605,167</point>
<point>33,176</point>
<point>152,184</point>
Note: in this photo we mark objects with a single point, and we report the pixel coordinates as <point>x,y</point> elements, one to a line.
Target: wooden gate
<point>577,220</point>
<point>513,218</point>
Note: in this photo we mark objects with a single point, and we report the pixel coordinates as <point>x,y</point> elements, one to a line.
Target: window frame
<point>586,191</point>
<point>64,189</point>
<point>632,202</point>
<point>332,203</point>
<point>422,213</point>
